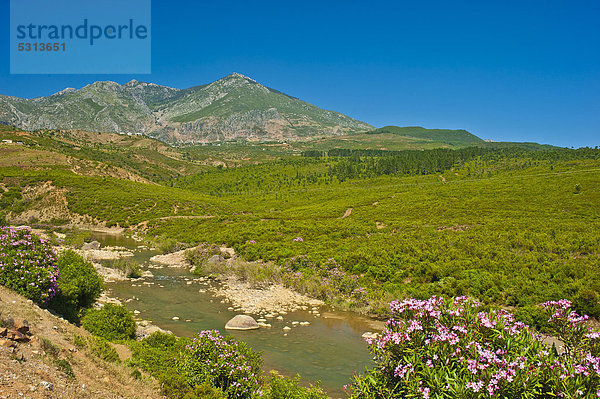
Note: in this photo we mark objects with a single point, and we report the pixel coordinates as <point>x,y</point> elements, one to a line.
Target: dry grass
<point>23,368</point>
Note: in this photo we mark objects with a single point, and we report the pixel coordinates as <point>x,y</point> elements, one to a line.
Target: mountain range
<point>232,108</point>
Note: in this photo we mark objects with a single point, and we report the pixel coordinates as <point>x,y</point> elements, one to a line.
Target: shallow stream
<point>329,350</point>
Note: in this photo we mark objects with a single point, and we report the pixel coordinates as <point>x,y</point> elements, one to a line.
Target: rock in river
<point>91,245</point>
<point>242,322</point>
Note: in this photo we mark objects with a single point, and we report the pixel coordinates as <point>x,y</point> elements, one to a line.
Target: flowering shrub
<point>328,281</point>
<point>438,349</point>
<point>224,362</point>
<point>199,255</point>
<point>27,264</point>
<point>211,366</point>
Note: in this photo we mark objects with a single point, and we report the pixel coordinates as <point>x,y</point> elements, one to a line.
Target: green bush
<point>79,285</point>
<point>586,302</point>
<point>206,391</point>
<point>104,350</point>
<point>27,264</point>
<point>157,355</point>
<point>129,267</point>
<point>112,322</point>
<point>76,238</point>
<point>282,387</point>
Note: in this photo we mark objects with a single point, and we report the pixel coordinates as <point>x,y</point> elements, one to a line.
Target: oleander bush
<point>79,285</point>
<point>211,365</point>
<point>223,362</point>
<point>453,349</point>
<point>28,264</point>
<point>111,322</point>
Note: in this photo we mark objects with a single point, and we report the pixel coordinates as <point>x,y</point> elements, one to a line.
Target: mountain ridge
<point>233,107</point>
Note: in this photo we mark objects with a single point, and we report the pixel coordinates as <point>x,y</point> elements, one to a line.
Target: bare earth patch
<point>27,370</point>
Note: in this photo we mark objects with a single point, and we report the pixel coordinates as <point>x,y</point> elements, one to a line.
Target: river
<point>329,350</point>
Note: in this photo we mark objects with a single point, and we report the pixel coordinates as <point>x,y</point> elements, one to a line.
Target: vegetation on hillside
<point>513,227</point>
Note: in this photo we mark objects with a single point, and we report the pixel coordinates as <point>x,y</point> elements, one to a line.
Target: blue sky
<point>504,70</point>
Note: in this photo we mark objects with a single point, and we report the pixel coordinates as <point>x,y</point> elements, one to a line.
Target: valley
<point>354,221</point>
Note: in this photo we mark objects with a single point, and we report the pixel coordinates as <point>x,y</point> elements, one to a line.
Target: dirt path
<point>347,213</point>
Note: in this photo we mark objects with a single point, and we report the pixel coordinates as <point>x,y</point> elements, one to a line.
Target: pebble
<point>304,323</point>
<point>286,328</point>
<point>175,318</point>
<point>279,317</point>
<point>48,385</point>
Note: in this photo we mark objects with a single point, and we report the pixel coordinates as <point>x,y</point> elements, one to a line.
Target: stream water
<point>329,350</point>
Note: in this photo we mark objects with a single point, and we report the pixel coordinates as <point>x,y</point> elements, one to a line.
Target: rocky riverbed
<point>275,299</point>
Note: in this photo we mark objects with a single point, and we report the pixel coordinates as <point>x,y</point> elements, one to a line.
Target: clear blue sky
<point>504,70</point>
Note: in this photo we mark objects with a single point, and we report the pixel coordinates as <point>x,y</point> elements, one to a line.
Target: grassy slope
<point>147,158</point>
<point>452,137</point>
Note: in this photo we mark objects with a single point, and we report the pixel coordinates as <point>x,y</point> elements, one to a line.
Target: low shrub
<point>156,354</point>
<point>112,322</point>
<point>198,257</point>
<point>76,238</point>
<point>104,350</point>
<point>168,245</point>
<point>64,366</point>
<point>289,388</point>
<point>205,391</point>
<point>129,267</point>
<point>27,264</point>
<point>79,285</point>
<point>438,349</point>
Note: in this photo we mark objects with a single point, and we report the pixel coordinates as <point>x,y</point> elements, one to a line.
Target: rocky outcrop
<point>17,330</point>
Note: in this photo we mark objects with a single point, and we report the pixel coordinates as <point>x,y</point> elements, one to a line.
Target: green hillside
<point>510,226</point>
<point>447,136</point>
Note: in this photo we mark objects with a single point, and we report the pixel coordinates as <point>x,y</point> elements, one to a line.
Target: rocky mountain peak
<point>231,108</point>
